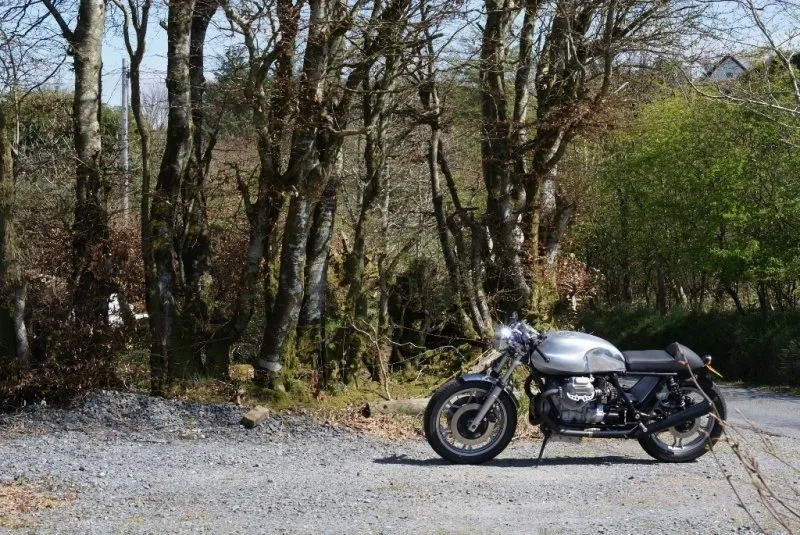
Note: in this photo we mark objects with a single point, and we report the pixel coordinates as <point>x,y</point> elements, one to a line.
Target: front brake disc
<point>461,420</point>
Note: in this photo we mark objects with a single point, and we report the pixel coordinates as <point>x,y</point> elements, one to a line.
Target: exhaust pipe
<point>695,411</point>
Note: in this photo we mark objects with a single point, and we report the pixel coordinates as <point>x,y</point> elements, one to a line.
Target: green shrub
<point>751,348</point>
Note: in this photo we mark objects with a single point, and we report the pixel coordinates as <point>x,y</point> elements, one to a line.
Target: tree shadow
<point>520,463</point>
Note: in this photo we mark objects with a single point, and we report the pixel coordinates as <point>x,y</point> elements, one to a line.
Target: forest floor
<point>127,463</point>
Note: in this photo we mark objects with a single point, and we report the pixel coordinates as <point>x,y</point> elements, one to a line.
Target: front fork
<point>499,386</point>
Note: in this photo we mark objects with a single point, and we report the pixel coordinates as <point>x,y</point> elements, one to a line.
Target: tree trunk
<point>661,289</point>
<point>355,271</point>
<point>468,323</point>
<point>499,164</point>
<point>311,331</point>
<point>13,287</point>
<point>764,305</point>
<point>20,330</point>
<point>195,243</point>
<point>139,21</point>
<point>314,153</point>
<point>92,269</point>
<point>734,295</point>
<point>285,312</point>
<point>193,240</point>
<point>177,152</point>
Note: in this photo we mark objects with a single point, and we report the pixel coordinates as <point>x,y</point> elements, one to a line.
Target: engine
<point>585,400</point>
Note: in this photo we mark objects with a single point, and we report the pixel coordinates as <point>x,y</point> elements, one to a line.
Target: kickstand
<point>541,451</point>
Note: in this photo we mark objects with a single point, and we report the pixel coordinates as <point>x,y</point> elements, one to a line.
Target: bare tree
<point>568,53</point>
<point>27,63</point>
<point>385,39</point>
<point>772,88</point>
<point>464,268</point>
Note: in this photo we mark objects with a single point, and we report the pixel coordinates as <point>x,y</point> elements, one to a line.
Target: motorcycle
<point>585,387</point>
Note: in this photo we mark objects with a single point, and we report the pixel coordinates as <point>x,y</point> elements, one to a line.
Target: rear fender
<point>490,381</point>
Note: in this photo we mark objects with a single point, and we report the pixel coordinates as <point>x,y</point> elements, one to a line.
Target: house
<point>726,68</point>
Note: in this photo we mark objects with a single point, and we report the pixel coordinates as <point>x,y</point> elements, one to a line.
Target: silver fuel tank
<point>574,353</point>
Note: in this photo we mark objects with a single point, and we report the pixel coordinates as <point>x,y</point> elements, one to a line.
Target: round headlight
<point>501,338</point>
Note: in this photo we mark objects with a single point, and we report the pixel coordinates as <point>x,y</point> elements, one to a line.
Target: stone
<point>255,417</point>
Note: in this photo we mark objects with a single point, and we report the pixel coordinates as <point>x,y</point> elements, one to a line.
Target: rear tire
<point>448,413</point>
<point>706,430</point>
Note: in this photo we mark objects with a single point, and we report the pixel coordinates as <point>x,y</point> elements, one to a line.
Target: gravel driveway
<point>142,465</point>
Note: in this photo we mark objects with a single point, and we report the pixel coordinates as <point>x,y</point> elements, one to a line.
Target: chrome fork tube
<point>493,395</point>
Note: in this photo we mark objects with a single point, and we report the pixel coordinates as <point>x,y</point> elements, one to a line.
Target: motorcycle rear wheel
<point>702,433</point>
<point>448,415</point>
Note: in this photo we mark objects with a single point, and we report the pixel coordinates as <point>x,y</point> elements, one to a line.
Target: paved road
<point>774,413</point>
<point>302,478</point>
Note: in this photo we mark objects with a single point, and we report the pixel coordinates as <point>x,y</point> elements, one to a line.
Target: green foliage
<point>700,187</point>
<point>225,96</point>
<point>750,347</point>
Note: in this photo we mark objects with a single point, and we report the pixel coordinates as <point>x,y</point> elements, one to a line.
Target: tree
<point>92,272</point>
<point>774,82</point>
<point>165,315</point>
<point>699,194</point>
<point>568,54</point>
<point>25,68</point>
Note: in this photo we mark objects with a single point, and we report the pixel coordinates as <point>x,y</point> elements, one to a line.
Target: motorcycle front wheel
<point>450,412</point>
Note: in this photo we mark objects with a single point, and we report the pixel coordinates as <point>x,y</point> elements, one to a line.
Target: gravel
<point>143,465</point>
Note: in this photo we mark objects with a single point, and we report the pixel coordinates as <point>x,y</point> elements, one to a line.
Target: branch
<point>69,35</point>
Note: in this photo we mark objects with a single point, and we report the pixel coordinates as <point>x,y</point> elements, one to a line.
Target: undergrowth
<point>752,348</point>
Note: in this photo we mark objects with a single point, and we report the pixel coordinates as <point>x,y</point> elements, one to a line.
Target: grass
<point>338,405</point>
<point>20,499</point>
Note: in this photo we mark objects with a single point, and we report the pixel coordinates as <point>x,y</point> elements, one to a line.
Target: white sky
<point>781,16</point>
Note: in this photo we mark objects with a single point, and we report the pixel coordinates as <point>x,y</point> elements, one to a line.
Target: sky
<point>155,61</point>
<point>154,64</point>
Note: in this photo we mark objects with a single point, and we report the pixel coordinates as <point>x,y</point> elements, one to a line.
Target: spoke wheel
<point>689,440</point>
<point>452,410</point>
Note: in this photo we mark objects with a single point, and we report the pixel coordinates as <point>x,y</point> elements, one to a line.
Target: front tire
<point>448,415</point>
<point>687,442</point>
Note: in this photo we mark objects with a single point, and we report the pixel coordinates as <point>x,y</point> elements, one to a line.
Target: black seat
<point>664,361</point>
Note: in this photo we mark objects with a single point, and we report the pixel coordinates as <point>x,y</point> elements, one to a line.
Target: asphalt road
<point>774,413</point>
<point>191,472</point>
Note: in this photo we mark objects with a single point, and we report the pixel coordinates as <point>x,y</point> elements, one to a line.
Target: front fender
<point>484,378</point>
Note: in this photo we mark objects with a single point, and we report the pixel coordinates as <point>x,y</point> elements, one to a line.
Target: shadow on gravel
<point>520,463</point>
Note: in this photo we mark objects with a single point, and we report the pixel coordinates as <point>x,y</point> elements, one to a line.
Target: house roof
<point>722,61</point>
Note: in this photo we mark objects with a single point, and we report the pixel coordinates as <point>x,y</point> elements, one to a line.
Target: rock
<point>255,417</point>
<point>403,406</point>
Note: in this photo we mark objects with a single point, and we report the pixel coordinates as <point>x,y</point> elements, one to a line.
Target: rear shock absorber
<point>675,392</point>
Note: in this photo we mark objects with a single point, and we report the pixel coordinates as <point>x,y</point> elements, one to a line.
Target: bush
<point>751,348</point>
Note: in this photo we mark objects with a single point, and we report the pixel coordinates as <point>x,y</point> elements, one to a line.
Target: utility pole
<point>123,139</point>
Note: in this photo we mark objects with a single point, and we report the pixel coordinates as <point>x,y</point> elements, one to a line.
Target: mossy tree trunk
<point>376,104</point>
<point>13,287</point>
<point>92,265</point>
<point>193,239</point>
<point>272,102</point>
<point>177,153</point>
<point>471,304</point>
<point>311,335</point>
<point>313,159</point>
